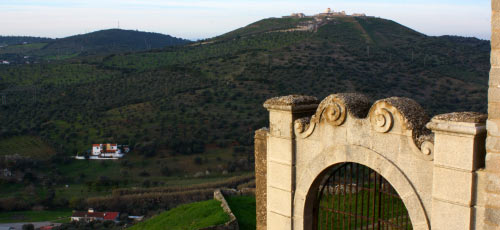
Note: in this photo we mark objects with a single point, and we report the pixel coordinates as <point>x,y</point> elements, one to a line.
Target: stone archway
<point>422,159</point>
<point>306,187</point>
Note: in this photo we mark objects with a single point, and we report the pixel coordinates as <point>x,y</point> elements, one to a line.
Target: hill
<point>189,216</point>
<point>98,42</point>
<point>17,40</point>
<point>184,102</point>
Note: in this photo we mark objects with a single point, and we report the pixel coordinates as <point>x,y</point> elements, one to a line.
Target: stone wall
<point>260,177</point>
<point>232,224</point>
<point>488,212</point>
<point>238,192</point>
<point>423,159</point>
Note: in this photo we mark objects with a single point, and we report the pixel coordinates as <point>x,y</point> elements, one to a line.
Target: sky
<point>199,19</point>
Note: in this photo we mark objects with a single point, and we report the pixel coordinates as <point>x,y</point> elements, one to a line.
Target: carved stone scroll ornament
<point>335,113</point>
<point>412,118</point>
<point>304,127</point>
<point>427,148</point>
<point>382,120</point>
<point>333,109</point>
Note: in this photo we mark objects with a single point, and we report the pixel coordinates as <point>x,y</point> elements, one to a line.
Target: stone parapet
<point>260,142</point>
<point>292,103</point>
<point>458,152</point>
<point>283,112</point>
<point>459,141</point>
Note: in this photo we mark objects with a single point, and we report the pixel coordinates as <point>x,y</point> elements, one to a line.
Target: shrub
<point>28,227</point>
<point>144,173</point>
<point>198,160</point>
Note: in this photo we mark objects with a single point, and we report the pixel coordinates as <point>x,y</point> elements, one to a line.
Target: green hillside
<point>16,40</point>
<point>192,216</point>
<point>197,105</point>
<point>94,43</point>
<point>112,41</point>
<point>243,207</point>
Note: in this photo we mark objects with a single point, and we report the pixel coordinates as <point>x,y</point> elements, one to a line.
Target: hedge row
<point>232,182</point>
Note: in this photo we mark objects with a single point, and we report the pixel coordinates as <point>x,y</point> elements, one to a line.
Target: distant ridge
<point>115,40</point>
<point>16,40</point>
<point>94,43</point>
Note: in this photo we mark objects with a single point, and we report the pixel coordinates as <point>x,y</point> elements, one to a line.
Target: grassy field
<point>28,146</point>
<point>243,207</point>
<point>26,48</point>
<point>380,206</point>
<point>187,217</point>
<point>59,216</point>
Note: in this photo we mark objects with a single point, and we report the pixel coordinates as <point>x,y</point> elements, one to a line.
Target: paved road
<point>19,226</point>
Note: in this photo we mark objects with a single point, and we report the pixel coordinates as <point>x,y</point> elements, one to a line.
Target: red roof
<point>96,145</point>
<point>111,215</point>
<point>113,144</point>
<point>108,151</point>
<point>104,215</point>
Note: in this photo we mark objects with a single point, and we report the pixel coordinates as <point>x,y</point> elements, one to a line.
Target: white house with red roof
<point>106,152</point>
<point>91,215</point>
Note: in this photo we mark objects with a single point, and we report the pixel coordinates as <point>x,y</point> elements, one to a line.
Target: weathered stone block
<point>493,127</point>
<point>494,76</point>
<point>279,175</point>
<point>494,94</point>
<point>493,162</point>
<point>495,58</point>
<point>493,200</point>
<point>279,150</point>
<point>494,110</point>
<point>492,215</point>
<point>279,201</point>
<point>495,21</point>
<point>480,188</point>
<point>478,218</point>
<point>445,187</point>
<point>457,151</point>
<point>495,5</point>
<point>446,216</point>
<point>495,37</point>
<point>492,182</point>
<point>281,123</point>
<point>276,221</point>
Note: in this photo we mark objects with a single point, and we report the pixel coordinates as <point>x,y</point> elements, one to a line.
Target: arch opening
<point>353,196</point>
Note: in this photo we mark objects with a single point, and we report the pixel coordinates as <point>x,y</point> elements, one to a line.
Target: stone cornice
<point>293,103</point>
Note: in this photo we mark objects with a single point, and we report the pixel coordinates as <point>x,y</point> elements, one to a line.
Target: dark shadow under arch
<point>353,196</point>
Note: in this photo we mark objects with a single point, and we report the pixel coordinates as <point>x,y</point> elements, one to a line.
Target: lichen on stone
<point>302,124</point>
<point>413,113</point>
<point>292,100</point>
<point>471,117</point>
<point>415,118</point>
<point>356,104</point>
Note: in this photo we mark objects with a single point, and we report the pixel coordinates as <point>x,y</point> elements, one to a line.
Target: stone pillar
<point>489,188</point>
<point>458,152</point>
<point>260,142</point>
<point>283,111</point>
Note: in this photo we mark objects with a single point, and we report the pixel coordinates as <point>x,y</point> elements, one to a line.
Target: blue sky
<point>194,19</point>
